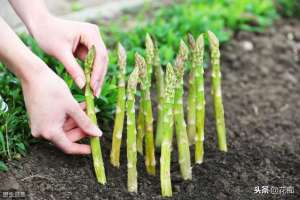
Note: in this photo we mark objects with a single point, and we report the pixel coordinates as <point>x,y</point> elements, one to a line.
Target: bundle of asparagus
<point>169,89</point>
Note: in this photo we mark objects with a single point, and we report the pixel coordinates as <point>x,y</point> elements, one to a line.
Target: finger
<point>70,123</point>
<point>73,68</point>
<point>99,68</point>
<point>61,141</point>
<point>82,120</point>
<point>75,134</point>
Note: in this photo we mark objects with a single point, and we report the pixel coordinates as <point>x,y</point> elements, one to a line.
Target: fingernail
<point>97,131</point>
<point>80,82</point>
<point>97,88</point>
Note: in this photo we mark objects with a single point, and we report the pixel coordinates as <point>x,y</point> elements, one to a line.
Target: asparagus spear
<point>131,131</point>
<point>90,109</point>
<point>191,104</point>
<point>120,109</point>
<point>159,80</point>
<point>148,118</point>
<point>165,159</point>
<point>140,127</point>
<point>198,56</point>
<point>181,133</point>
<point>217,91</point>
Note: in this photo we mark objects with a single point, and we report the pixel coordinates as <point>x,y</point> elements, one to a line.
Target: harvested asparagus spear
<point>90,109</point>
<point>131,131</point>
<point>217,91</point>
<point>180,125</point>
<point>148,118</point>
<point>159,84</point>
<point>165,159</point>
<point>198,57</point>
<point>120,109</point>
<point>191,104</point>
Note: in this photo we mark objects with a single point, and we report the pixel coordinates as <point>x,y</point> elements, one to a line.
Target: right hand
<point>54,114</point>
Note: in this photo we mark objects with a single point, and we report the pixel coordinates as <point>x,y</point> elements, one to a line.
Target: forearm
<point>31,13</point>
<point>17,57</point>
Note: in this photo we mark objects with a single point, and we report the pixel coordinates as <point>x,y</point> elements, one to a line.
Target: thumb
<point>82,120</point>
<point>73,68</point>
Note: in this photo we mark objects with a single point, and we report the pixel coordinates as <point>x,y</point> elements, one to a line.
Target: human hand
<point>66,40</point>
<point>54,114</point>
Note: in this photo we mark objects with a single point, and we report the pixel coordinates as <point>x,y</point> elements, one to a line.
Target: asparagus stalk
<point>148,118</point>
<point>90,109</point>
<point>180,125</point>
<point>140,128</point>
<point>217,91</point>
<point>159,80</point>
<point>198,56</point>
<point>165,159</point>
<point>191,104</point>
<point>131,131</point>
<point>120,109</point>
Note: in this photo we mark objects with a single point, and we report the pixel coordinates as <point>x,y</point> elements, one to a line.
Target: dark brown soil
<point>261,88</point>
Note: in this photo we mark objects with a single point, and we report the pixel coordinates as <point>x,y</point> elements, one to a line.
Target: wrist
<point>29,68</point>
<point>35,21</point>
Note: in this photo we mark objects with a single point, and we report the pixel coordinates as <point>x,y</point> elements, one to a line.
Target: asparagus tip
<point>191,40</point>
<point>213,40</point>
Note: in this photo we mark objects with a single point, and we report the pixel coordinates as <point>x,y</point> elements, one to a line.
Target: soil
<point>261,89</point>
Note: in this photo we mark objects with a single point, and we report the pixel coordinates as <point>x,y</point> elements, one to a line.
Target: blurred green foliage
<point>167,24</point>
<point>288,8</point>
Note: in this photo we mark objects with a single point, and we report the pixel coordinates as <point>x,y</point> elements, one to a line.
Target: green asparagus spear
<point>198,56</point>
<point>165,159</point>
<point>181,133</point>
<point>159,84</point>
<point>120,109</point>
<point>90,109</point>
<point>191,104</point>
<point>140,128</point>
<point>217,91</point>
<point>131,131</point>
<point>148,118</point>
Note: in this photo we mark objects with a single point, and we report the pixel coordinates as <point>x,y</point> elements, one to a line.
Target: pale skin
<point>53,112</point>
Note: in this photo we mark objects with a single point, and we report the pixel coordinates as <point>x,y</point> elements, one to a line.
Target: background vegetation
<point>166,24</point>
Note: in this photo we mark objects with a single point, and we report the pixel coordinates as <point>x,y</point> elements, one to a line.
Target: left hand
<point>66,40</point>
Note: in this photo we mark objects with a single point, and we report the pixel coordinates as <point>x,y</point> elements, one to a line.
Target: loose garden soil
<point>261,89</point>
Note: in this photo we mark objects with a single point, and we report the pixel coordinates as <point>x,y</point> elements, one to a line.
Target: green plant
<point>146,74</point>
<point>159,85</point>
<point>166,145</point>
<point>217,91</point>
<point>184,158</point>
<point>131,128</point>
<point>197,49</point>
<point>120,108</point>
<point>90,110</point>
<point>288,8</point>
<point>191,104</point>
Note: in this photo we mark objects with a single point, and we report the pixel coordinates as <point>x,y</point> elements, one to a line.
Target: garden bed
<point>261,98</point>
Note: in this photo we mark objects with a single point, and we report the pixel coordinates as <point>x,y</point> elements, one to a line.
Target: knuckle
<point>68,150</point>
<point>86,125</point>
